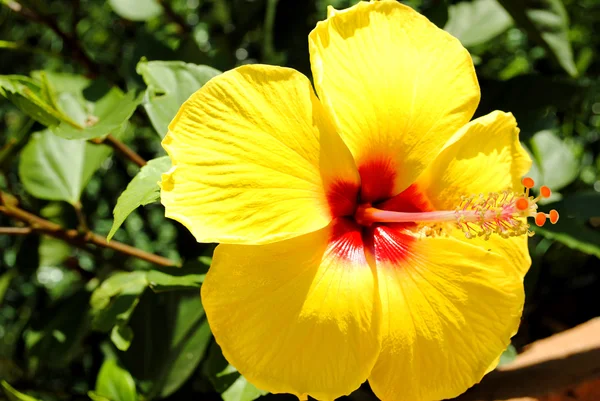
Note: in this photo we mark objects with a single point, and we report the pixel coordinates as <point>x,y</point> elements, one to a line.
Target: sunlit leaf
<point>476,22</point>
<point>106,116</point>
<point>546,22</point>
<point>54,168</point>
<point>555,163</point>
<point>142,190</point>
<point>115,299</point>
<point>25,93</point>
<point>136,10</point>
<point>170,83</point>
<point>115,383</point>
<point>509,355</point>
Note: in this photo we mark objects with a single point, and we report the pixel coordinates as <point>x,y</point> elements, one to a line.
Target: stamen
<point>540,219</point>
<point>502,213</point>
<point>545,192</point>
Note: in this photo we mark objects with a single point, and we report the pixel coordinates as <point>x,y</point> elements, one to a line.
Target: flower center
<point>503,213</point>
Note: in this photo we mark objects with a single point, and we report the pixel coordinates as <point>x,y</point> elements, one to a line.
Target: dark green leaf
<point>579,223</point>
<point>136,10</point>
<point>171,337</point>
<point>547,23</point>
<point>115,383</point>
<point>56,338</point>
<point>142,190</point>
<point>476,22</point>
<point>170,83</point>
<point>14,395</point>
<point>437,12</point>
<point>226,379</point>
<point>54,168</point>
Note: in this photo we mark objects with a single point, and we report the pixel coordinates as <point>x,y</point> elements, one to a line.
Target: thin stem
<point>267,45</point>
<point>83,227</point>
<point>74,237</point>
<point>15,230</point>
<point>122,148</point>
<point>176,18</point>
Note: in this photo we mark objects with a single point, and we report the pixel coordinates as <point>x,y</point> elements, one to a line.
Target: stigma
<point>502,213</point>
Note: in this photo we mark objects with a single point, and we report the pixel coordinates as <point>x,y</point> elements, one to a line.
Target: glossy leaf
<point>579,223</point>
<point>136,10</point>
<point>115,383</point>
<point>54,168</point>
<point>170,83</point>
<point>476,22</point>
<point>142,190</point>
<point>546,22</point>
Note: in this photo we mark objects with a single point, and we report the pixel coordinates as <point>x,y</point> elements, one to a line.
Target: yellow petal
<point>484,156</point>
<point>449,310</point>
<point>253,151</point>
<point>300,316</point>
<point>396,86</point>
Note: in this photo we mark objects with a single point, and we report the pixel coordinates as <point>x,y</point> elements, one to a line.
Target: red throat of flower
<point>503,213</point>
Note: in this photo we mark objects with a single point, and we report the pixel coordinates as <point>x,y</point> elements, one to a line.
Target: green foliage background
<point>91,322</point>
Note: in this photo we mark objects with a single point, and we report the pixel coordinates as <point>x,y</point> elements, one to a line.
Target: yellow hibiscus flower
<point>343,219</point>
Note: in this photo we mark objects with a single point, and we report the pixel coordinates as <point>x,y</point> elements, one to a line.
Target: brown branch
<point>120,147</point>
<point>15,230</point>
<point>554,364</point>
<point>75,237</point>
<point>69,39</point>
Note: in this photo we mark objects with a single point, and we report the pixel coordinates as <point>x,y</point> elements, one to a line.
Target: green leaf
<point>14,395</point>
<point>115,299</point>
<point>115,383</point>
<point>579,223</point>
<point>26,94</point>
<point>555,163</point>
<point>509,355</point>
<point>175,278</point>
<point>5,280</point>
<point>176,321</point>
<point>108,115</point>
<point>170,83</point>
<point>136,10</point>
<point>226,379</point>
<point>476,22</point>
<point>546,22</point>
<point>54,168</point>
<point>121,335</point>
<point>142,190</point>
